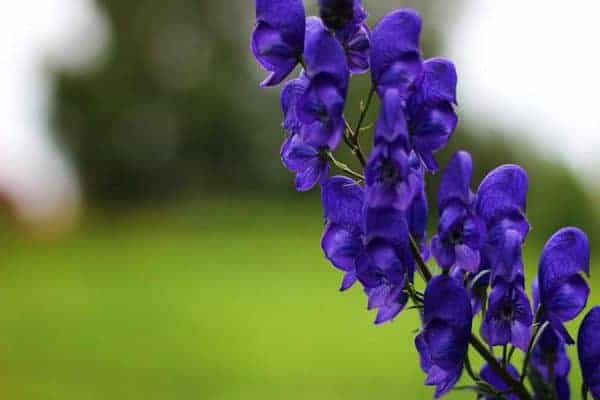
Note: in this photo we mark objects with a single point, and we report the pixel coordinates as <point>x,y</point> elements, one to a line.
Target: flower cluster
<point>376,219</point>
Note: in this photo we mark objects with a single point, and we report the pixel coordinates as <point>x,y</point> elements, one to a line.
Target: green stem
<point>343,167</point>
<point>536,332</point>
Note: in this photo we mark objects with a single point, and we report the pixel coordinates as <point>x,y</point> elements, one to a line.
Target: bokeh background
<point>153,246</point>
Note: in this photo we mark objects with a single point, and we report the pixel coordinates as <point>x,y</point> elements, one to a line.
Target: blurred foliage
<point>175,108</point>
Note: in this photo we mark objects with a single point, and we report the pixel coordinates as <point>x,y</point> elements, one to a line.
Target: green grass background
<point>227,300</point>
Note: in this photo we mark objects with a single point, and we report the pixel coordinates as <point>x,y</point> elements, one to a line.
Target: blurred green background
<point>196,271</point>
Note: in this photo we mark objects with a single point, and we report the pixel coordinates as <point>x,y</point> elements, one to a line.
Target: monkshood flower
<point>343,200</point>
<point>308,162</point>
<point>508,318</point>
<point>416,216</point>
<point>386,265</point>
<point>588,347</point>
<point>561,290</point>
<point>320,108</point>
<point>425,90</point>
<point>550,361</point>
<point>501,203</point>
<point>393,177</point>
<point>490,376</point>
<point>278,37</point>
<point>461,231</point>
<point>444,338</point>
<point>347,19</point>
<point>430,112</point>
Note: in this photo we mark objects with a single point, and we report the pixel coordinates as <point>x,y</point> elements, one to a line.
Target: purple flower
<point>278,37</point>
<point>320,108</point>
<point>347,19</point>
<point>489,375</point>
<point>386,264</point>
<point>431,116</point>
<point>501,203</point>
<point>562,291</point>
<point>393,177</point>
<point>444,339</point>
<point>461,233</point>
<point>395,55</point>
<point>342,200</point>
<point>425,91</point>
<point>550,363</point>
<point>309,164</point>
<point>508,318</point>
<point>588,348</point>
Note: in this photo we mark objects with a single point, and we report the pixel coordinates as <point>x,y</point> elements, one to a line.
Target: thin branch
<point>343,167</point>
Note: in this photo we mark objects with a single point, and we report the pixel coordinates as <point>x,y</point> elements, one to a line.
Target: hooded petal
<point>278,38</point>
<point>290,94</point>
<point>567,300</point>
<point>565,254</point>
<point>391,124</point>
<point>456,180</point>
<point>588,348</point>
<point>503,191</point>
<point>343,200</point>
<point>395,58</point>
<point>431,130</point>
<point>341,246</point>
<point>447,300</point>
<point>323,54</point>
<point>439,81</point>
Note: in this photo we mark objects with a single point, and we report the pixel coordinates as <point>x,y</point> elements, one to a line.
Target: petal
<point>467,258</point>
<point>389,312</point>
<point>503,191</point>
<point>394,36</point>
<point>568,300</point>
<point>445,344</point>
<point>308,178</point>
<point>386,223</point>
<point>320,101</point>
<point>439,81</point>
<point>323,54</point>
<point>520,335</point>
<point>391,125</point>
<point>456,180</point>
<point>443,253</point>
<point>341,246</point>
<point>296,155</point>
<point>286,16</point>
<point>348,281</point>
<point>565,254</point>
<point>588,348</point>
<point>386,259</point>
<point>343,200</point>
<point>448,301</point>
<point>290,94</point>
<point>431,130</point>
<point>358,50</point>
<point>273,53</point>
<point>495,331</point>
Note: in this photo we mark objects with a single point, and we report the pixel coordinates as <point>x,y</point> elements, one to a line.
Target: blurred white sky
<point>35,36</point>
<point>533,68</point>
<point>530,67</point>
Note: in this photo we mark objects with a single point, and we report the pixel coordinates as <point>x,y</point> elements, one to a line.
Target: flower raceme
<point>376,218</point>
